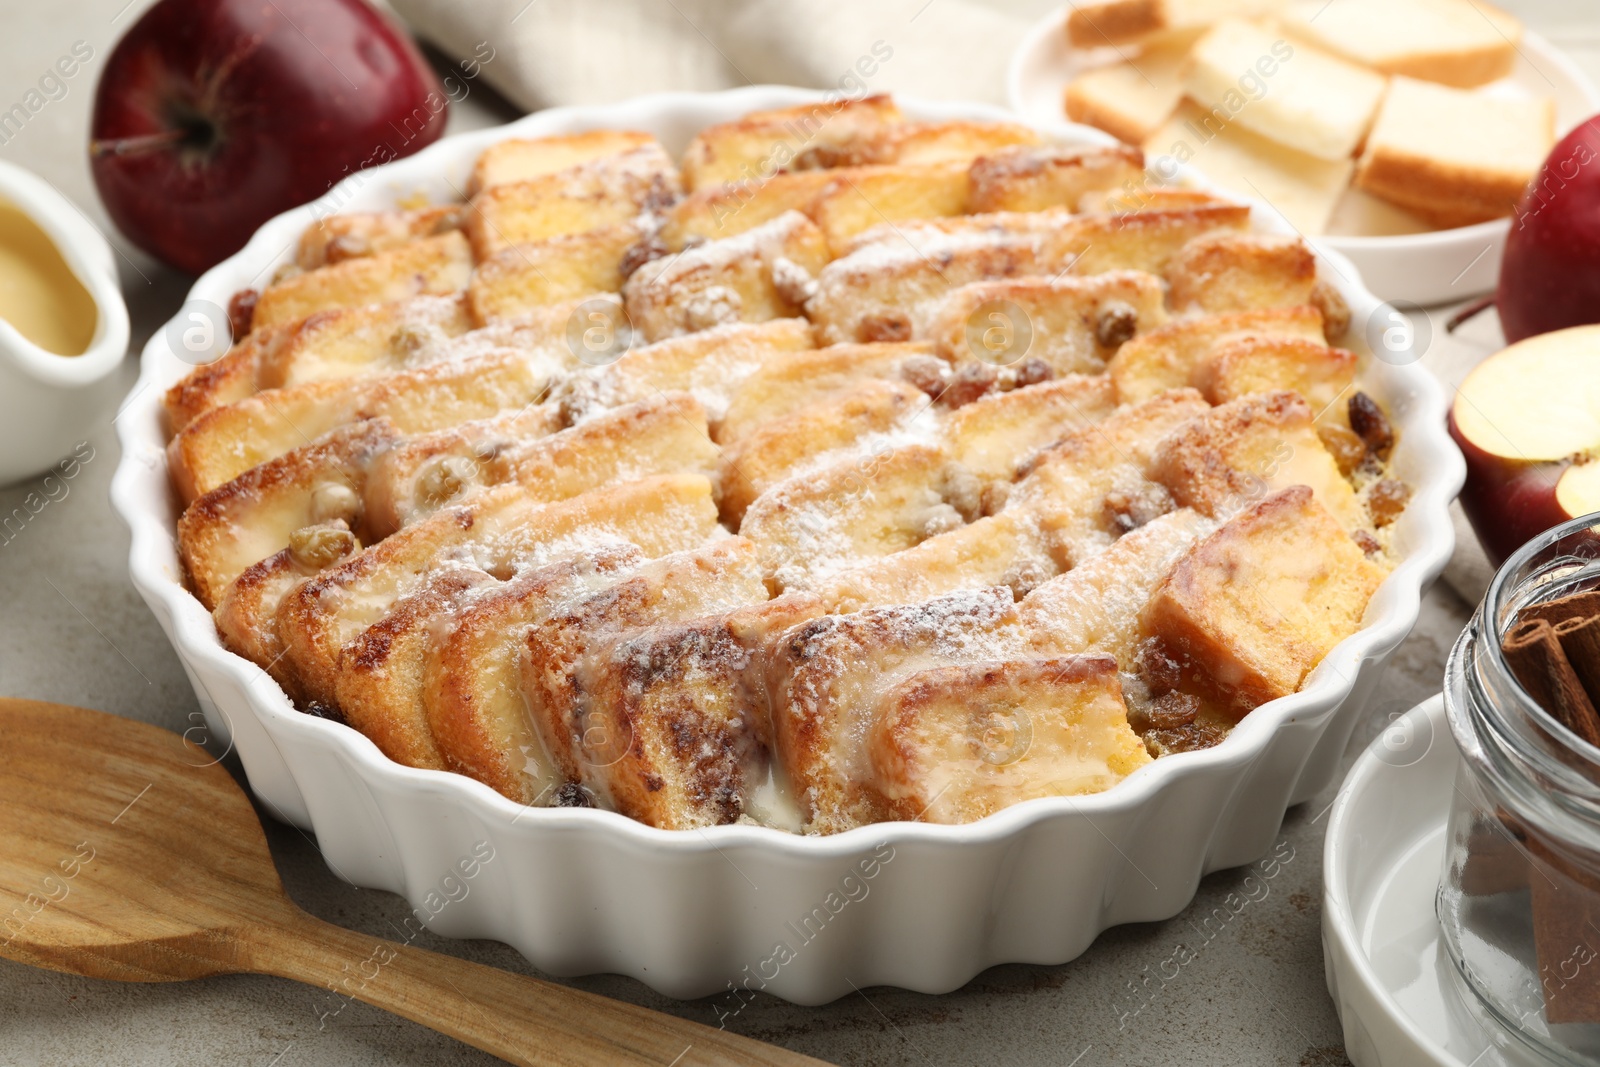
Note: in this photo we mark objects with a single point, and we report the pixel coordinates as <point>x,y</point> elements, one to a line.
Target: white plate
<point>579,891</point>
<point>1388,972</point>
<point>1423,268</point>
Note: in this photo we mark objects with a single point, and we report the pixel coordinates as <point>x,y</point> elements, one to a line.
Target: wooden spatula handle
<point>522,1020</point>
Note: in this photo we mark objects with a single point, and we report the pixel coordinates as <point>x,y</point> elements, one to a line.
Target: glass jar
<point>1519,899</point>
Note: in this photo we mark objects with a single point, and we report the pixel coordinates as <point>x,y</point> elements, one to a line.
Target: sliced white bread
<point>1098,23</point>
<point>1454,156</point>
<point>1131,100</point>
<point>1464,43</point>
<point>1302,188</point>
<point>1287,91</point>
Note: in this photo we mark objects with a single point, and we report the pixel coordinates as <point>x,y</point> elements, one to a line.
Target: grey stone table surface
<point>72,629</point>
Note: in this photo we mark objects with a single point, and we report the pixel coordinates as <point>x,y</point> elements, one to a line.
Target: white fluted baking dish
<point>925,907</point>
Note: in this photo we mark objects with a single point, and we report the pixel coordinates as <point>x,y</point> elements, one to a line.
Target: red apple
<point>1550,276</point>
<point>1528,421</point>
<point>212,116</point>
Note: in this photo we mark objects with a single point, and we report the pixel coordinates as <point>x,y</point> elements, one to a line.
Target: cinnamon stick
<point>1580,640</point>
<point>1536,657</point>
<point>1573,606</point>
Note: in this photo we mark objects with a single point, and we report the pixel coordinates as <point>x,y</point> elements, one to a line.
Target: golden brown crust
<point>954,744</point>
<point>556,270</point>
<point>431,265</point>
<point>1233,455</point>
<point>803,137</point>
<point>1035,178</point>
<point>336,238</point>
<point>1113,22</point>
<point>1258,603</point>
<point>1171,357</point>
<point>1228,272</point>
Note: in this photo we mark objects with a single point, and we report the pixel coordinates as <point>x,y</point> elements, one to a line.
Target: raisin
<point>242,312</point>
<point>1347,449</point>
<point>889,327</point>
<point>1386,500</point>
<point>1116,324</point>
<point>1371,425</point>
<point>641,252</point>
<point>1366,542</point>
<point>572,795</point>
<point>1161,668</point>
<point>317,709</point>
<point>968,383</point>
<point>1169,711</point>
<point>928,373</point>
<point>1031,371</point>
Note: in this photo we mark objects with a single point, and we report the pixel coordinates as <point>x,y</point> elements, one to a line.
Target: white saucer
<point>1390,978</point>
<point>1432,267</point>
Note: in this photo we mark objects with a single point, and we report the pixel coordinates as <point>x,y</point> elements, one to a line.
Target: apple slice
<point>1528,421</point>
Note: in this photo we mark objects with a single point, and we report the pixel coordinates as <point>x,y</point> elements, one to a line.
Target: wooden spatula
<point>124,856</point>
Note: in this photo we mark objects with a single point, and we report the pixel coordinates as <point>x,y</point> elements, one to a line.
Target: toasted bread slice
<point>500,530</point>
<point>556,270</point>
<point>225,380</point>
<point>579,733</point>
<point>1093,486</point>
<point>1035,177</point>
<point>827,679</point>
<point>805,137</point>
<point>1073,324</point>
<point>953,744</point>
<point>1453,42</point>
<point>764,273</point>
<point>1004,549</point>
<point>416,475</point>
<point>1171,357</point>
<point>1095,606</point>
<point>859,198</point>
<point>888,286</point>
<point>710,364</point>
<point>533,449</point>
<point>1222,272</point>
<point>784,447</point>
<point>1130,100</point>
<point>675,733</point>
<point>523,159</point>
<point>1117,22</point>
<point>426,266</point>
<point>337,238</point>
<point>361,341</point>
<point>717,211</point>
<point>1313,101</point>
<point>1150,240</point>
<point>1256,605</point>
<point>224,443</point>
<point>1302,188</point>
<point>377,682</point>
<point>1233,455</point>
<point>248,519</point>
<point>603,192</point>
<point>996,435</point>
<point>791,381</point>
<point>813,526</point>
<point>472,674</point>
<point>1253,364</point>
<point>960,141</point>
<point>1416,156</point>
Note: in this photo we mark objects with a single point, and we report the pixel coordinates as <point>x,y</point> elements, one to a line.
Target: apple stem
<point>121,146</point>
<point>1471,311</point>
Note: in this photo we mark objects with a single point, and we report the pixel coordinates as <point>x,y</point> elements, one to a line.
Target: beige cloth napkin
<point>553,52</point>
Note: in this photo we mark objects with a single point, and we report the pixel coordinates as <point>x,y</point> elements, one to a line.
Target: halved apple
<point>1528,421</point>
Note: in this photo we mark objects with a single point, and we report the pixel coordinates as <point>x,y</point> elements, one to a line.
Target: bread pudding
<point>840,469</point>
